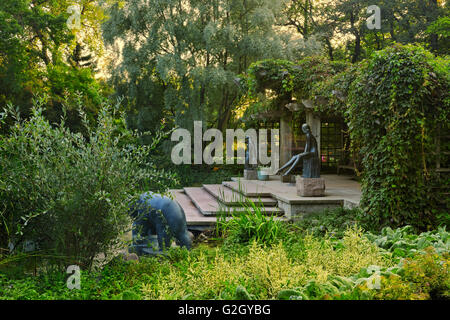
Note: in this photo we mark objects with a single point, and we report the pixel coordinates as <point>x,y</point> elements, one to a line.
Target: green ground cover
<point>303,260</point>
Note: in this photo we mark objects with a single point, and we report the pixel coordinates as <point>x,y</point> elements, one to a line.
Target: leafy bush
<point>115,281</point>
<point>70,194</point>
<point>429,273</point>
<point>403,242</point>
<point>425,276</point>
<point>396,104</point>
<point>331,222</point>
<point>346,256</point>
<point>422,264</point>
<point>261,272</point>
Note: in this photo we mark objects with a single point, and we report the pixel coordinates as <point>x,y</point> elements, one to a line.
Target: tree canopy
<point>182,57</point>
<point>41,55</point>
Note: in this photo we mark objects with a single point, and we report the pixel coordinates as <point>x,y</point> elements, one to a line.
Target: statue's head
<point>306,128</point>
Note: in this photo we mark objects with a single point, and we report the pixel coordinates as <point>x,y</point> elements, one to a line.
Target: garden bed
<point>327,256</point>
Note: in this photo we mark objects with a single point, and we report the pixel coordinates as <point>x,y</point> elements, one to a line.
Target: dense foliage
<point>397,102</point>
<point>39,54</point>
<point>292,265</point>
<point>272,84</point>
<point>180,59</point>
<point>58,189</point>
<point>252,226</point>
<point>402,21</point>
<point>65,185</point>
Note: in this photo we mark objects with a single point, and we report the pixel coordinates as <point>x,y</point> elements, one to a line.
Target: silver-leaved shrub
<point>69,193</point>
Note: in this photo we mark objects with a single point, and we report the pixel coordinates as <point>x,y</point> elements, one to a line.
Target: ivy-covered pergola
<point>280,90</point>
<point>396,106</point>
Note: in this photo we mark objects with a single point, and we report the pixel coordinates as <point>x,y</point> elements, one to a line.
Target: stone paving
<point>201,204</point>
<point>337,187</point>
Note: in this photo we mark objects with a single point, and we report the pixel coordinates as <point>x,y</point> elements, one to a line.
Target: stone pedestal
<point>287,179</point>
<point>310,187</point>
<point>250,174</point>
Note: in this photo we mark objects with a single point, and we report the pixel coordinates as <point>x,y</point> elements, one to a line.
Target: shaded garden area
<point>324,257</point>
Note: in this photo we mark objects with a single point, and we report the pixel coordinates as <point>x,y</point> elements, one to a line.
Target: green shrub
<point>319,268</point>
<point>397,102</point>
<point>264,271</point>
<point>343,257</point>
<point>425,276</point>
<point>429,272</point>
<point>403,242</point>
<point>67,193</point>
<point>332,222</point>
<point>252,225</point>
<point>394,287</point>
<point>422,277</point>
<point>112,282</point>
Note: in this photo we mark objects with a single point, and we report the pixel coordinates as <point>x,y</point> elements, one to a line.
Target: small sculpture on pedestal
<point>250,172</point>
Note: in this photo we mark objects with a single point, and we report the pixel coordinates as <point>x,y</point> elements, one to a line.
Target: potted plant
<point>263,173</point>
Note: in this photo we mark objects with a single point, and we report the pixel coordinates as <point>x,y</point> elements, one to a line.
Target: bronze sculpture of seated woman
<point>310,157</point>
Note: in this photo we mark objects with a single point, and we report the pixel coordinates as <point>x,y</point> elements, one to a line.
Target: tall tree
<point>311,18</point>
<point>40,54</point>
<point>340,22</point>
<point>350,18</point>
<point>416,16</point>
<point>29,40</point>
<point>299,14</point>
<point>404,21</point>
<point>193,50</point>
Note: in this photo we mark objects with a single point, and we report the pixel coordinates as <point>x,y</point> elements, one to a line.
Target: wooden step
<point>210,206</point>
<point>231,198</point>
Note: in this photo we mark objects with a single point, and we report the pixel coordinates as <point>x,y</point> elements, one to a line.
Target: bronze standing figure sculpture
<point>311,164</point>
<point>250,154</point>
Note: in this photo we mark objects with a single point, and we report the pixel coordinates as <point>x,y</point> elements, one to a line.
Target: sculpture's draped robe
<point>311,164</point>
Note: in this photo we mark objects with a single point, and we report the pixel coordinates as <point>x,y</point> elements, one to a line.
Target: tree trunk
<point>433,36</point>
<point>356,33</point>
<point>330,49</point>
<point>357,52</point>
